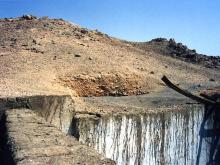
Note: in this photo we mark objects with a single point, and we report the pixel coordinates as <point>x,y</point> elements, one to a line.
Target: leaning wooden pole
<point>186,93</point>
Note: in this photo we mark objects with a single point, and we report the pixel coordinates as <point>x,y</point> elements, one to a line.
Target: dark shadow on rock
<point>6,155</point>
<point>210,131</point>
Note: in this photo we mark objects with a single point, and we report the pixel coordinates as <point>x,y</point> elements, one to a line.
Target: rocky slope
<point>178,50</point>
<point>53,56</point>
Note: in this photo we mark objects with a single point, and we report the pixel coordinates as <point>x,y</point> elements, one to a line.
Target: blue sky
<point>196,23</point>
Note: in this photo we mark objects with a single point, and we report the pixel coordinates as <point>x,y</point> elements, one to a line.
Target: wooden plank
<point>186,93</point>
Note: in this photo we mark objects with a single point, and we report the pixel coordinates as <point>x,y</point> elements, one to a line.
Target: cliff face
<point>42,56</point>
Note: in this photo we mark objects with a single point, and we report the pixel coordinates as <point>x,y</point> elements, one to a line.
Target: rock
<point>28,17</point>
<point>193,50</point>
<point>142,69</point>
<point>44,17</point>
<point>90,58</point>
<point>84,31</point>
<point>66,33</point>
<point>37,50</point>
<point>77,55</point>
<point>178,50</point>
<point>82,44</point>
<point>9,19</point>
<point>34,41</point>
<point>98,33</point>
<point>98,115</point>
<point>159,39</point>
<point>141,92</point>
<point>211,79</point>
<point>13,39</point>
<point>46,25</point>
<point>191,56</point>
<point>24,45</point>
<point>172,43</point>
<point>152,72</point>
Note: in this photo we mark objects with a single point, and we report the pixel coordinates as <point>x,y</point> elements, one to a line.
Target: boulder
<point>172,43</point>
<point>28,17</point>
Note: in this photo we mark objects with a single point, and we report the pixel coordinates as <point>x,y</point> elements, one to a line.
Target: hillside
<point>52,56</point>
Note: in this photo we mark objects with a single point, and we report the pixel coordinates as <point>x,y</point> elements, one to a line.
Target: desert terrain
<point>42,56</point>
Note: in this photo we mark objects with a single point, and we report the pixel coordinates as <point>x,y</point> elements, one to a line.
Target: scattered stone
<point>82,44</point>
<point>24,45</point>
<point>152,72</point>
<point>13,42</point>
<point>77,55</point>
<point>211,79</point>
<point>142,69</point>
<point>55,57</point>
<point>13,39</point>
<point>46,25</point>
<point>66,33</point>
<point>141,92</point>
<point>34,41</point>
<point>36,50</point>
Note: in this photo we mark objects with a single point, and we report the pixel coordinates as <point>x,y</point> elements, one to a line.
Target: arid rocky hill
<point>53,56</point>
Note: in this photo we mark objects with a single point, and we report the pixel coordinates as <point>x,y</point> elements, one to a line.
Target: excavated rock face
<point>34,131</point>
<point>34,141</point>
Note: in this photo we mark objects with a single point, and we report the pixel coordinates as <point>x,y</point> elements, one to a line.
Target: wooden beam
<point>186,93</point>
